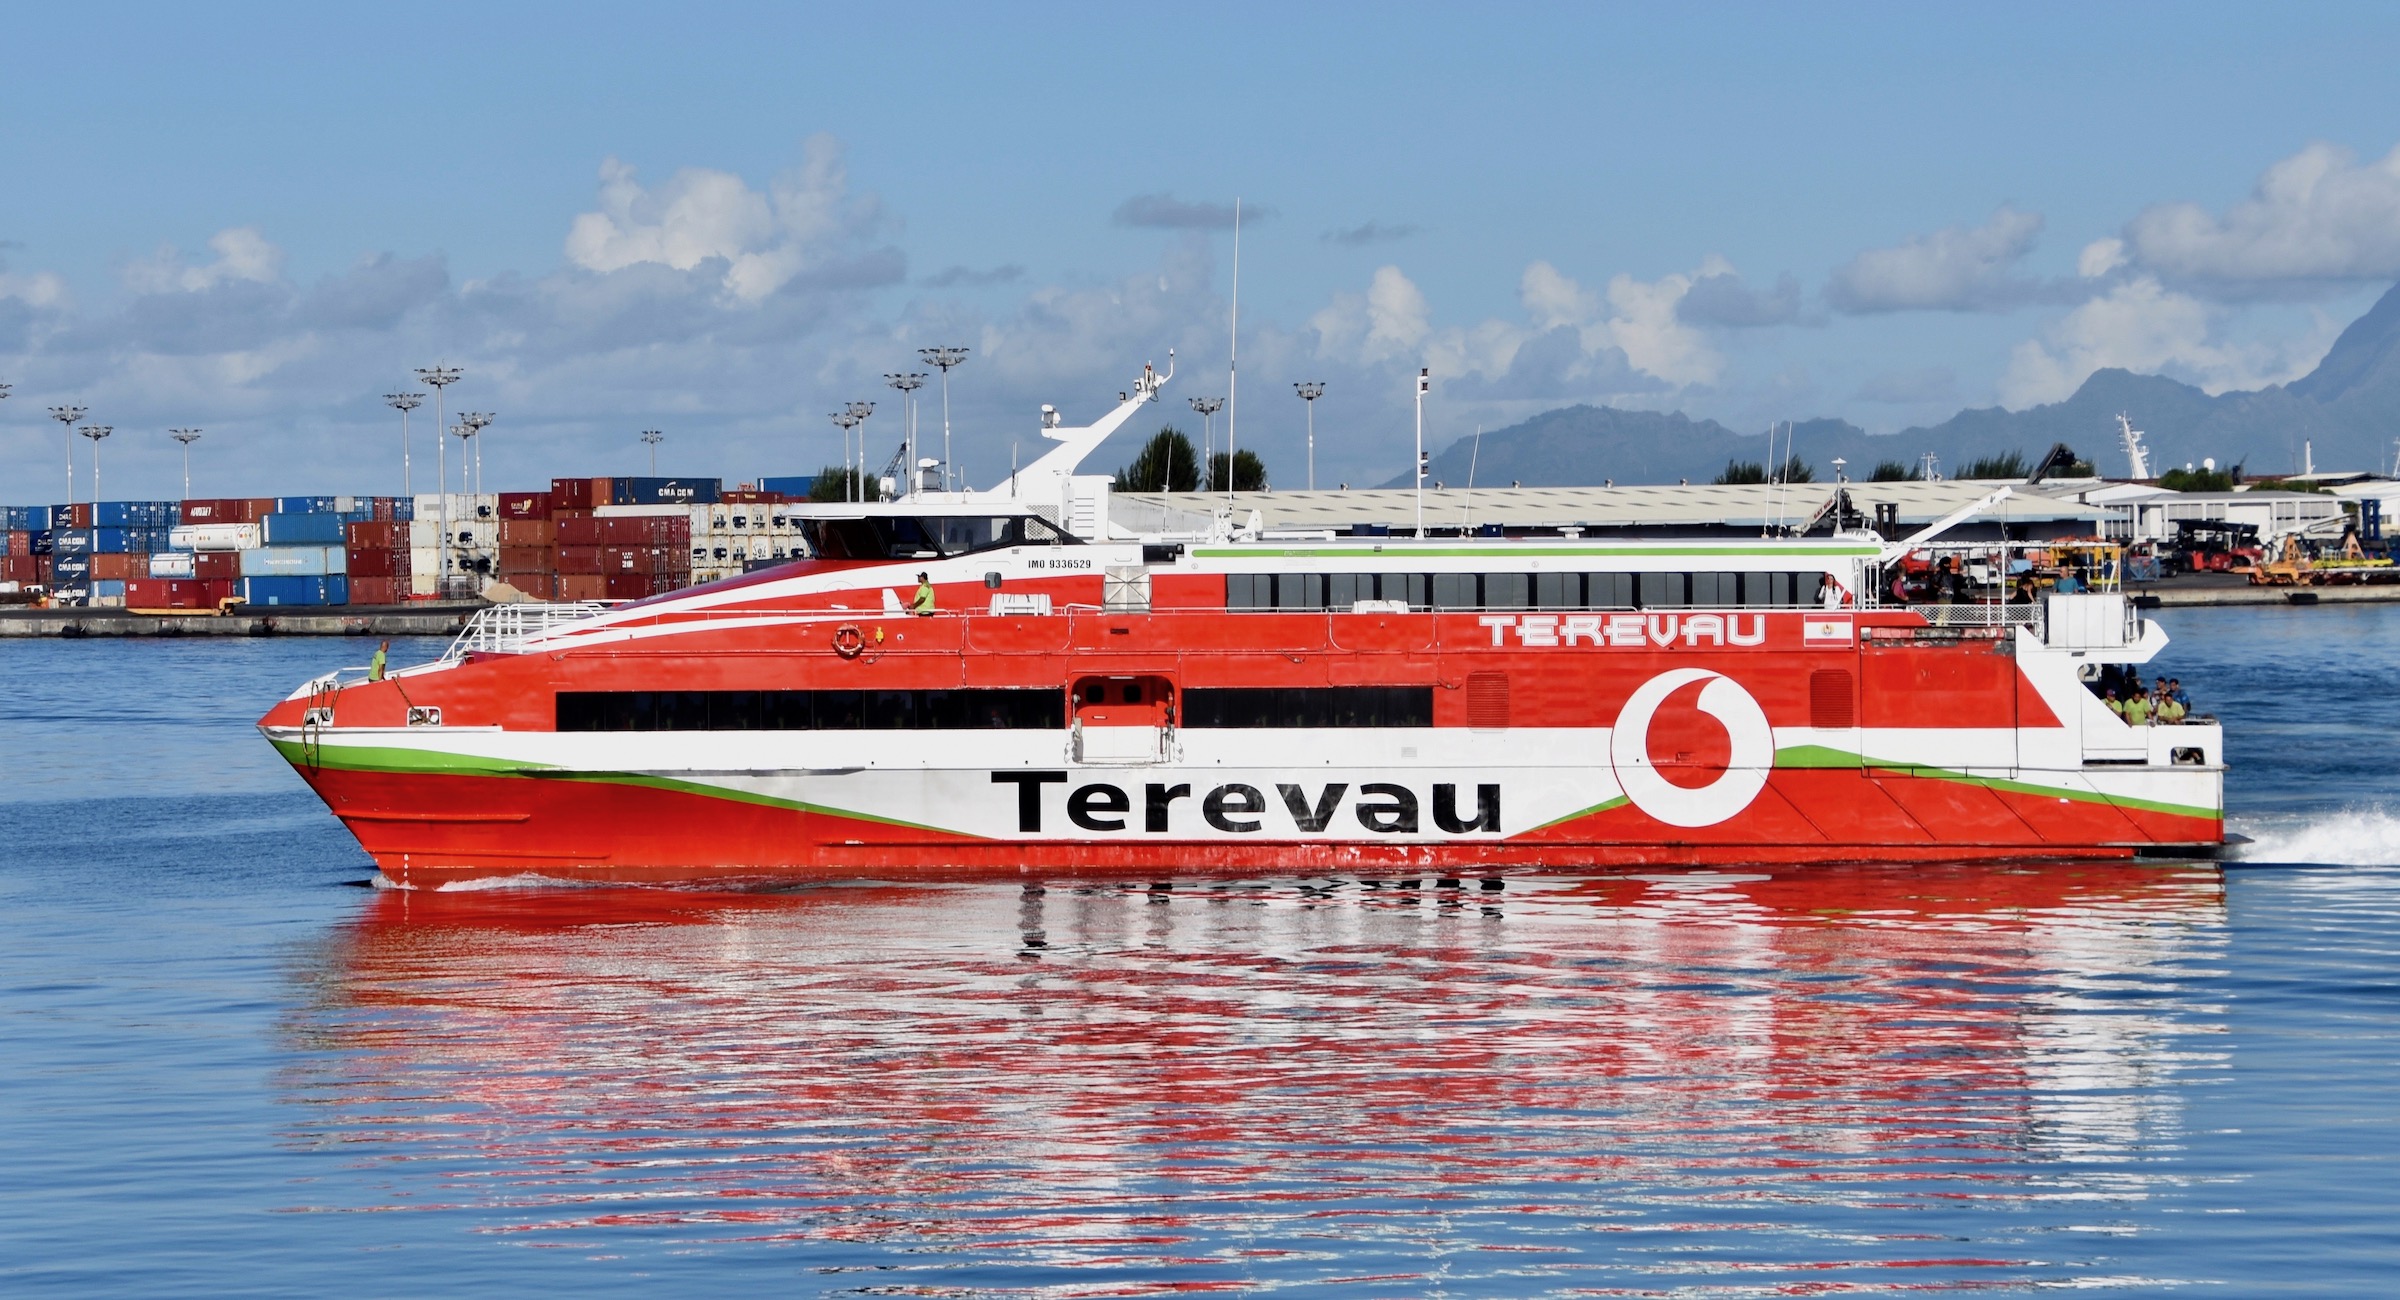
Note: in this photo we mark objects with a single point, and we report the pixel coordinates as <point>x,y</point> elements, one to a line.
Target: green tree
<point>1796,470</point>
<point>1249,472</point>
<point>2008,465</point>
<point>1742,471</point>
<point>1892,471</point>
<point>1167,463</point>
<point>2196,480</point>
<point>834,483</point>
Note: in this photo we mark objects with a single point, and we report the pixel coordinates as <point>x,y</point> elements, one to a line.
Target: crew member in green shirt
<point>923,604</point>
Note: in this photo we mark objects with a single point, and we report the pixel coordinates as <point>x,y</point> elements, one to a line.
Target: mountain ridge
<point>2348,408</point>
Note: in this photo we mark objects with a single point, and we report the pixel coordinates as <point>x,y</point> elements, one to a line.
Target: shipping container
<point>305,505</point>
<point>644,559</point>
<point>21,568</point>
<point>794,487</point>
<point>377,535</point>
<point>173,564</point>
<point>308,589</point>
<point>375,563</point>
<point>175,593</point>
<point>533,586</point>
<point>580,493</point>
<point>26,519</point>
<point>750,496</point>
<point>298,561</point>
<point>214,537</point>
<point>524,505</point>
<point>622,530</point>
<point>395,509</point>
<point>378,591</point>
<point>528,532</point>
<point>116,566</point>
<point>108,589</point>
<point>663,491</point>
<point>133,514</point>
<point>300,529</point>
<point>94,541</point>
<point>579,560</point>
<point>217,566</point>
<point>257,508</point>
<point>217,510</point>
<point>528,559</point>
<point>582,586</point>
<point>16,541</point>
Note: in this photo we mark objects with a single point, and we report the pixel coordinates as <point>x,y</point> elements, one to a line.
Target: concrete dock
<point>331,620</point>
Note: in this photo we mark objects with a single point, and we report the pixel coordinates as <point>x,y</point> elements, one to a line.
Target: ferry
<point>992,683</point>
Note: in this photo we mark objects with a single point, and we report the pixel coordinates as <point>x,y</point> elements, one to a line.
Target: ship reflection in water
<point>1826,1080</point>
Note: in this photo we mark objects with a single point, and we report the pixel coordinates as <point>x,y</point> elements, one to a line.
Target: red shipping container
<point>117,566</point>
<point>582,586</point>
<point>377,591</point>
<point>579,559</point>
<point>645,559</point>
<point>217,510</point>
<point>524,505</point>
<point>21,568</point>
<point>645,530</point>
<point>376,563</point>
<point>20,542</point>
<point>528,559</point>
<point>631,586</point>
<point>378,535</point>
<point>580,493</point>
<point>745,496</point>
<point>528,532</point>
<point>387,509</point>
<point>79,515</point>
<point>577,530</point>
<point>217,566</point>
<point>255,509</point>
<point>539,586</point>
<point>173,593</point>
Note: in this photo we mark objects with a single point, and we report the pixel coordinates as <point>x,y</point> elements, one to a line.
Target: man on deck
<point>922,606</point>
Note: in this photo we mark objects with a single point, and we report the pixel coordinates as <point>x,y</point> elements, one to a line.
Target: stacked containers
<point>528,544</point>
<point>302,559</point>
<point>376,560</point>
<point>624,552</point>
<point>215,551</point>
<point>25,546</point>
<point>473,541</point>
<point>742,531</point>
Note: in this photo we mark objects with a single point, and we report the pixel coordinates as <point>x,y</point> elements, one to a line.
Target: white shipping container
<point>171,564</point>
<point>293,561</point>
<point>463,505</point>
<point>213,537</point>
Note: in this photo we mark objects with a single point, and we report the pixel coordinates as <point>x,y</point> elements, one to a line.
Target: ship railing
<point>504,629</point>
<point>1980,614</point>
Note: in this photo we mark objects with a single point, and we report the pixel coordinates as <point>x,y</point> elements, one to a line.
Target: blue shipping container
<point>665,491</point>
<point>322,590</point>
<point>28,519</point>
<point>293,561</point>
<point>303,505</point>
<point>109,587</point>
<point>790,485</point>
<point>72,566</point>
<point>134,514</point>
<point>43,542</point>
<point>301,529</point>
<point>91,541</point>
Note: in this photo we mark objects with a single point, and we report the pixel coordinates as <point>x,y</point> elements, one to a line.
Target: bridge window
<point>1477,591</point>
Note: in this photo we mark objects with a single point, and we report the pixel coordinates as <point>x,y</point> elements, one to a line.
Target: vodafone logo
<point>1753,750</point>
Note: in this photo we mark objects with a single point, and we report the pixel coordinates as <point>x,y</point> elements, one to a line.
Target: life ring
<point>848,641</point>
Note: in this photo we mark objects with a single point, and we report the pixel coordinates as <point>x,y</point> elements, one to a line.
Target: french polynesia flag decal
<point>1826,631</point>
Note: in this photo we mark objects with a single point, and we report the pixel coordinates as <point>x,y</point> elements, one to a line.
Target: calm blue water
<point>225,1068</point>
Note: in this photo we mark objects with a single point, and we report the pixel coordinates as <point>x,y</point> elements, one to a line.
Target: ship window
<point>1507,590</point>
<point>1299,591</point>
<point>1608,590</point>
<point>1665,590</point>
<point>1346,589</point>
<point>1558,591</point>
<point>1249,591</point>
<point>1415,588</point>
<point>958,710</point>
<point>1715,590</point>
<point>1455,591</point>
<point>1308,706</point>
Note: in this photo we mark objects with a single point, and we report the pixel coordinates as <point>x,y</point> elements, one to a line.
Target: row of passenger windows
<point>1445,591</point>
<point>959,710</point>
<point>976,710</point>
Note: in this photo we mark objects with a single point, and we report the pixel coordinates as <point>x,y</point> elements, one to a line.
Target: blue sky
<point>724,221</point>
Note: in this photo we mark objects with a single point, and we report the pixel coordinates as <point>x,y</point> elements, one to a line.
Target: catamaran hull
<point>431,829</point>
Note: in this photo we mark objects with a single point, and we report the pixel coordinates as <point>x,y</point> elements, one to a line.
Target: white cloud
<point>244,256</point>
<point>2100,257</point>
<point>2144,327</point>
<point>2317,215</point>
<point>804,221</point>
<point>1957,268</point>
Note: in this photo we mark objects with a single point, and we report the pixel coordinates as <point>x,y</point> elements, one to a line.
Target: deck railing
<point>504,629</point>
<point>1980,614</point>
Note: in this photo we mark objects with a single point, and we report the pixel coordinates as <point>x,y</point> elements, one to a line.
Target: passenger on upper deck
<point>922,605</point>
<point>1830,594</point>
<point>1952,587</point>
<point>2137,705</point>
<point>2024,594</point>
<point>2070,582</point>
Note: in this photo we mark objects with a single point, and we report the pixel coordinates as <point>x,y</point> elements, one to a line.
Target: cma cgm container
<point>663,491</point>
<point>315,589</point>
<point>294,561</point>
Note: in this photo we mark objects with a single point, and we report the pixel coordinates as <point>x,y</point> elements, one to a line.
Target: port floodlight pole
<point>404,403</point>
<point>848,422</point>
<point>441,377</point>
<point>653,437</point>
<point>1208,408</point>
<point>478,421</point>
<point>944,358</point>
<point>1310,391</point>
<point>1424,383</point>
<point>908,386</point>
<point>68,415</point>
<point>861,410</point>
<point>187,437</point>
<point>1233,348</point>
<point>95,432</point>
